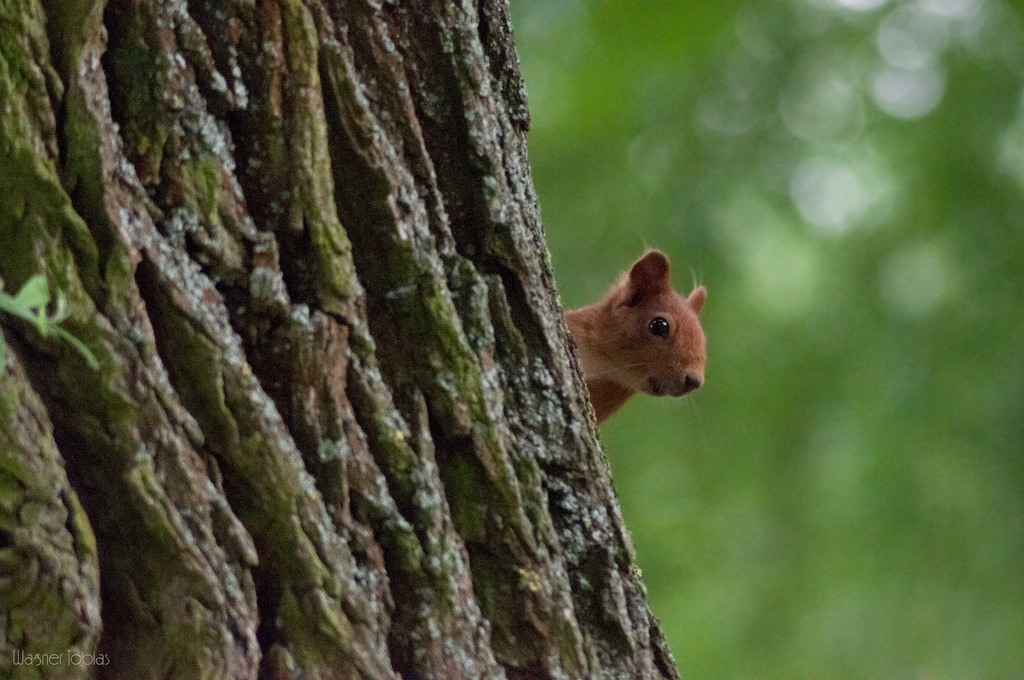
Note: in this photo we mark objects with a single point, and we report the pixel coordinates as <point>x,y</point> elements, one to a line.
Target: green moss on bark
<point>49,575</point>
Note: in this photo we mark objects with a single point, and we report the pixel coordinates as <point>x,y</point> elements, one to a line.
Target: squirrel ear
<point>649,276</point>
<point>698,296</point>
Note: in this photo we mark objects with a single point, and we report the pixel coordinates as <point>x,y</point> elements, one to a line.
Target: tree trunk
<point>336,430</point>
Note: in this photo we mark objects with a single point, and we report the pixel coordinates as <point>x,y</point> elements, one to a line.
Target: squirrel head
<point>655,332</point>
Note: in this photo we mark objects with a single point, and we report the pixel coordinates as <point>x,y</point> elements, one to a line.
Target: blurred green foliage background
<point>845,496</point>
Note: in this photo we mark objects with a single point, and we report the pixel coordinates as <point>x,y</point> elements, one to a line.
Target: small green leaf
<point>90,358</point>
<point>39,317</point>
<point>34,293</point>
<point>30,304</point>
<point>61,311</point>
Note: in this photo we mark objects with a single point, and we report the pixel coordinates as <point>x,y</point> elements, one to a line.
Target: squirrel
<point>642,336</point>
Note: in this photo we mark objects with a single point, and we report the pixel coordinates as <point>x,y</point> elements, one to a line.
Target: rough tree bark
<point>336,431</point>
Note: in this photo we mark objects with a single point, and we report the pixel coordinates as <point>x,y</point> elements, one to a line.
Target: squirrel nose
<point>690,383</point>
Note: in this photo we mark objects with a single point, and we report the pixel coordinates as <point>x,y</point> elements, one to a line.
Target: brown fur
<point>620,352</point>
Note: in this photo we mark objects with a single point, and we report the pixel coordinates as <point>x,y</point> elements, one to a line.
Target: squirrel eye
<point>659,326</point>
